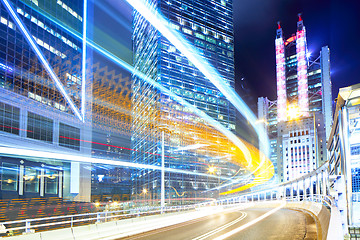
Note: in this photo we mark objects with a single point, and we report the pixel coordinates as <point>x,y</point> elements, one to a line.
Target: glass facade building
<point>208,27</point>
<point>303,89</point>
<point>40,86</point>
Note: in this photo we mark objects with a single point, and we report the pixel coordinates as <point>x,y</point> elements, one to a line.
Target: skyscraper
<point>207,26</point>
<point>43,97</point>
<point>303,106</point>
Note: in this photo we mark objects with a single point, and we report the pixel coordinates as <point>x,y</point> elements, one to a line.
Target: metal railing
<point>29,225</point>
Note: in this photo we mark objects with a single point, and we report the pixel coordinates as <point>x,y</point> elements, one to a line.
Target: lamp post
<point>162,201</point>
<point>162,187</point>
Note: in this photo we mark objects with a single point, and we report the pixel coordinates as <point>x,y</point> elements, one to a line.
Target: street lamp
<point>162,194</point>
<point>144,191</point>
<point>212,169</point>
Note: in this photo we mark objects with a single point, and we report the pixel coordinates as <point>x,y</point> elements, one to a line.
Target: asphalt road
<point>284,224</point>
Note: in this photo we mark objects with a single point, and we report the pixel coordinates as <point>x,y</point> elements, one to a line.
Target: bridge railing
<point>30,225</point>
<point>312,186</point>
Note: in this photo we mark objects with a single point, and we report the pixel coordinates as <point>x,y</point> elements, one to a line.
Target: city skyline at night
<point>136,119</point>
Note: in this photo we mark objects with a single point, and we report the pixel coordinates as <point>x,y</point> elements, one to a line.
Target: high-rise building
<point>208,26</point>
<point>43,98</point>
<point>303,108</point>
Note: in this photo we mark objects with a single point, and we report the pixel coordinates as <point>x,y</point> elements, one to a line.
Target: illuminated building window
<point>69,10</point>
<point>49,48</point>
<point>31,179</point>
<point>198,35</point>
<point>9,177</point>
<point>35,2</point>
<point>39,127</point>
<point>48,29</point>
<point>7,23</point>
<point>9,118</point>
<point>187,31</point>
<point>73,79</point>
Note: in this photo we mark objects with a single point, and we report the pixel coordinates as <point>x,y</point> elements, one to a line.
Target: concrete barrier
<point>31,236</point>
<point>60,234</point>
<point>85,232</point>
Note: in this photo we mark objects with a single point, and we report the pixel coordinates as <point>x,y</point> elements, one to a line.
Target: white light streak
<point>77,158</point>
<point>41,57</point>
<point>249,224</point>
<point>83,73</point>
<point>209,72</point>
<point>241,106</point>
<point>190,147</point>
<point>219,229</point>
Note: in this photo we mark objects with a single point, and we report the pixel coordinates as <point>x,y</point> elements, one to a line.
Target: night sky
<point>334,23</point>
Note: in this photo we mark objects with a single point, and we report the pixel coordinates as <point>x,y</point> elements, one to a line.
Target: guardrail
<point>311,187</point>
<point>29,225</point>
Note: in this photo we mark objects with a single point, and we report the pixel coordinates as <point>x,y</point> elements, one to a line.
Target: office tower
<point>267,117</point>
<point>303,106</point>
<point>207,25</point>
<point>43,98</point>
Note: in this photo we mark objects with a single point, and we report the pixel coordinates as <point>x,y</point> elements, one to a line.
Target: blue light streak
<point>7,68</point>
<point>189,50</point>
<point>83,159</point>
<point>193,55</point>
<point>83,73</point>
<point>41,57</point>
<point>175,97</point>
<point>180,100</point>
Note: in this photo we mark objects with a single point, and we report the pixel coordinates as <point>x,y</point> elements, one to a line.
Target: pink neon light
<point>280,78</point>
<point>302,72</point>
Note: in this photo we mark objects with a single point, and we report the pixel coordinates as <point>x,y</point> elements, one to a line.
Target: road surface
<point>240,224</point>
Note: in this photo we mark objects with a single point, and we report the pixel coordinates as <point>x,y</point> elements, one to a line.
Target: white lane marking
<point>206,235</point>
<point>232,232</point>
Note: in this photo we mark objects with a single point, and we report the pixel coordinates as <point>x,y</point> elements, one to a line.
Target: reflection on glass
<point>51,181</point>
<point>31,179</point>
<point>9,177</point>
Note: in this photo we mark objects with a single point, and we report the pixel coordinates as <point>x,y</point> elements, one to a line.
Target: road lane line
<point>206,235</point>
<point>232,232</point>
<point>172,227</point>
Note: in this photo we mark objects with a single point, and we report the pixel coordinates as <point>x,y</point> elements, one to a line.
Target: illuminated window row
<point>198,96</point>
<point>73,78</point>
<point>49,48</point>
<point>69,10</point>
<point>8,23</point>
<point>201,29</point>
<point>46,101</point>
<point>314,72</point>
<point>48,29</point>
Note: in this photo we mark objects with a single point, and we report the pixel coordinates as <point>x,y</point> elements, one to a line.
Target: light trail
<point>41,57</point>
<point>219,229</point>
<point>193,55</point>
<point>249,224</point>
<point>83,159</point>
<point>83,72</point>
<point>172,95</point>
